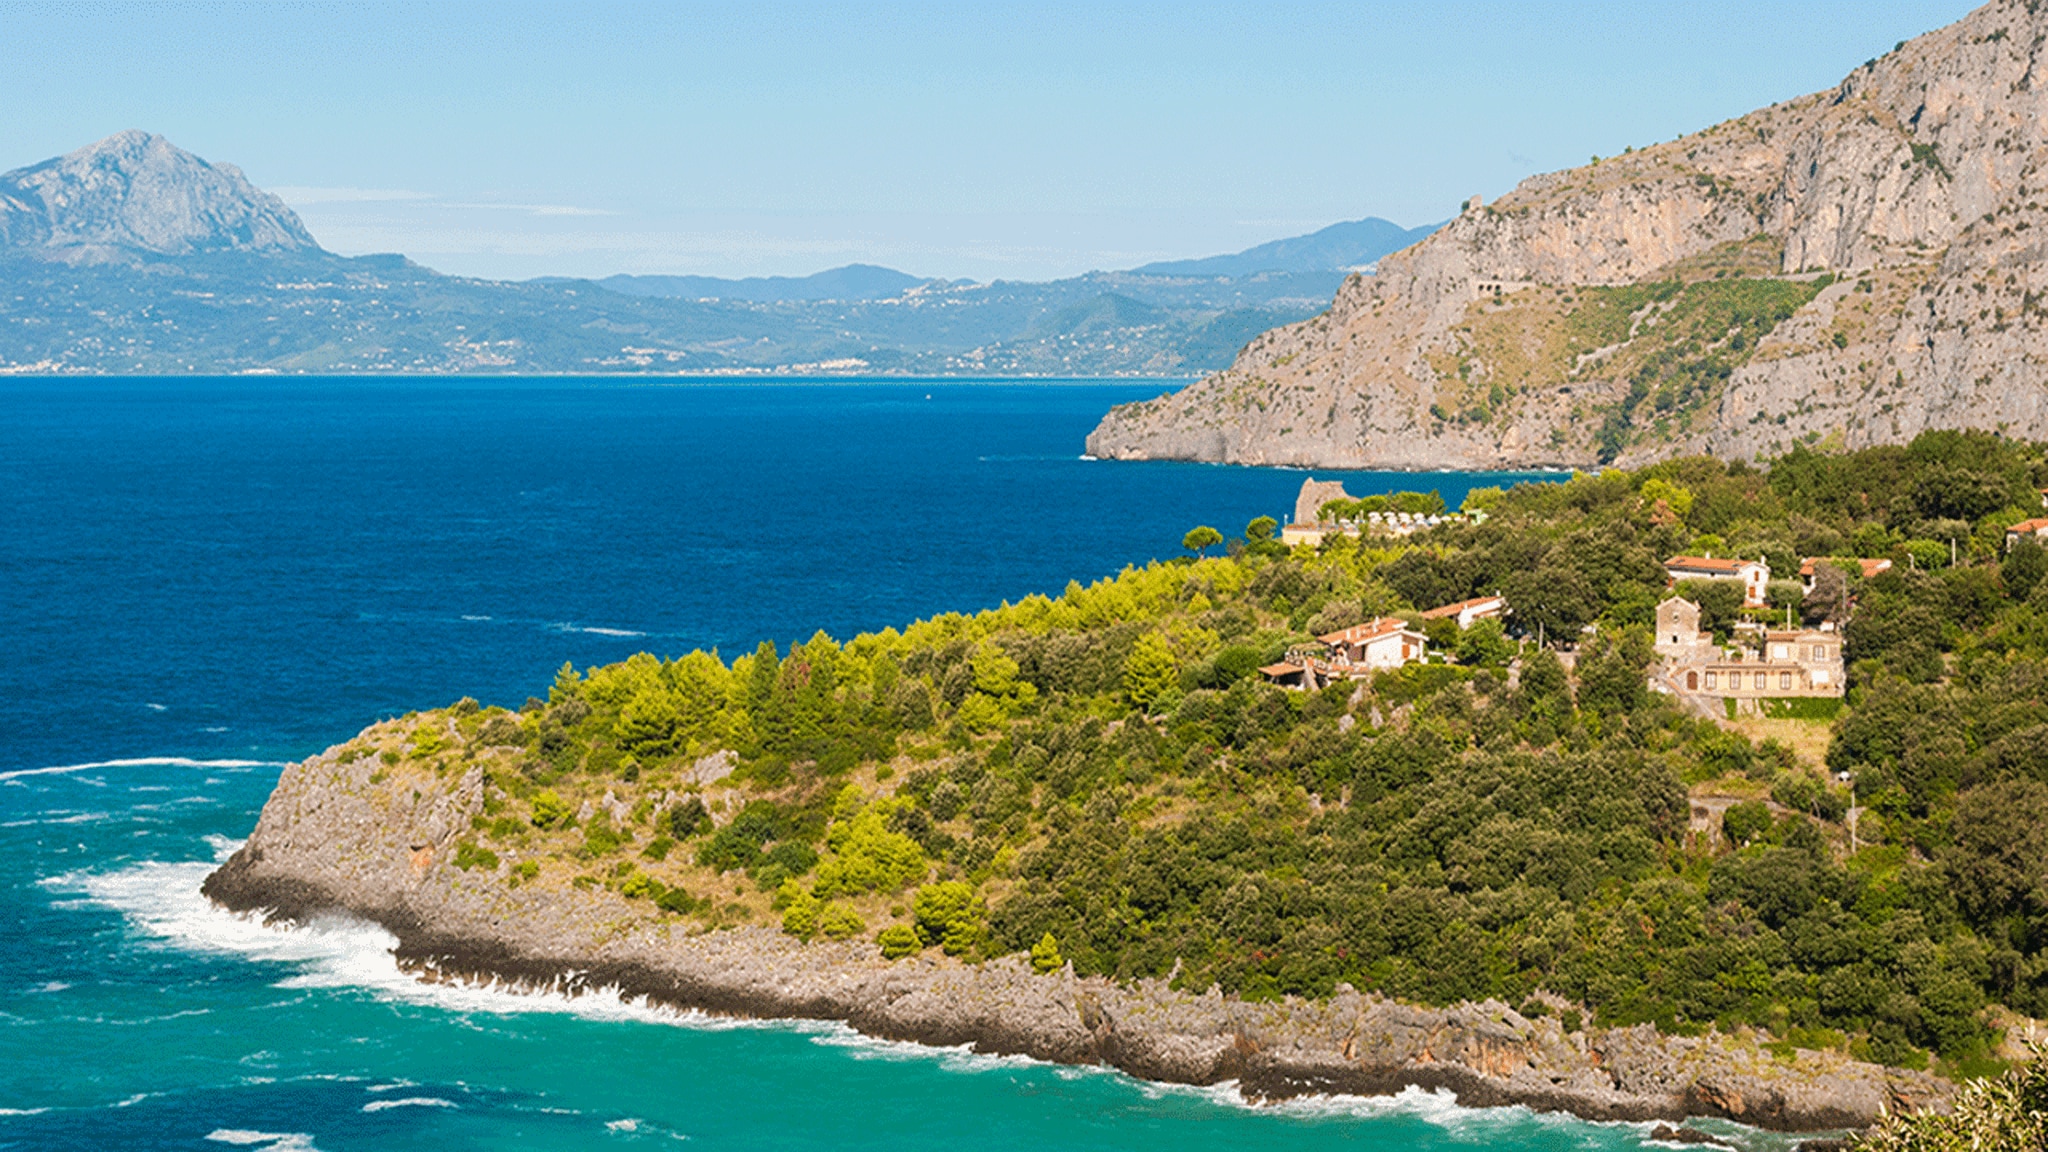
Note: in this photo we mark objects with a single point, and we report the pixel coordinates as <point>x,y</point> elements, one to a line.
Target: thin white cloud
<point>295,196</point>
<point>531,209</point>
<point>300,196</point>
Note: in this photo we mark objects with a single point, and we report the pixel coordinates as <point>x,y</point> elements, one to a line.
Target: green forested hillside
<point>1101,777</point>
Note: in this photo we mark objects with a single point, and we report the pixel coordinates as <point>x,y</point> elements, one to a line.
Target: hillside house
<point>1795,662</point>
<point>1310,534</point>
<point>1678,629</point>
<point>1349,654</point>
<point>1469,612</point>
<point>1753,575</point>
<point>2037,528</point>
<point>1382,643</point>
<point>1811,564</point>
<point>1297,671</point>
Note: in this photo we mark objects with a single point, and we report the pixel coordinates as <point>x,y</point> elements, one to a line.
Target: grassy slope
<point>1650,357</point>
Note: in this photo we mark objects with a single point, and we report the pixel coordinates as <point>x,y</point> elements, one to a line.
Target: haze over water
<point>203,579</point>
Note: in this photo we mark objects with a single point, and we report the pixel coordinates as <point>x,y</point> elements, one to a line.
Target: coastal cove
<point>207,579</point>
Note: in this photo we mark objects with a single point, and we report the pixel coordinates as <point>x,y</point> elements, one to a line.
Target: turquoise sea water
<point>200,580</point>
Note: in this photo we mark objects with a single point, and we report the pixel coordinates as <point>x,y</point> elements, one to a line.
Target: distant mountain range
<point>1351,244</point>
<point>1338,249</point>
<point>851,282</point>
<point>134,256</point>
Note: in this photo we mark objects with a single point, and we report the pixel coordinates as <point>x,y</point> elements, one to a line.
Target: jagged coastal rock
<point>1847,268</point>
<point>135,194</point>
<point>354,835</point>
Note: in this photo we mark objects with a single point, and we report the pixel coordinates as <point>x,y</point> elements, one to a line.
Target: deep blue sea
<point>203,579</point>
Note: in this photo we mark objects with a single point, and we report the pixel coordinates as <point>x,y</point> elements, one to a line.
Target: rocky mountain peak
<point>135,194</point>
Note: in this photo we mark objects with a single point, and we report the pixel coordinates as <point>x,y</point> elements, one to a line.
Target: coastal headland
<point>359,838</point>
<point>1552,802</point>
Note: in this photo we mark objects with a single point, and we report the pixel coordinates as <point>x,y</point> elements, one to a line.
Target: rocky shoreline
<point>342,836</point>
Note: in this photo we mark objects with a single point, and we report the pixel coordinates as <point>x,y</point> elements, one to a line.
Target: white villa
<point>1754,575</point>
<point>1350,654</point>
<point>1469,612</point>
<point>2037,528</point>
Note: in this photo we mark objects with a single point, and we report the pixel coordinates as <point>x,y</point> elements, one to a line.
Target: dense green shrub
<point>898,941</point>
<point>550,810</point>
<point>869,857</point>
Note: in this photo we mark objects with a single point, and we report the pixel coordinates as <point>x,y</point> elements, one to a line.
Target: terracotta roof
<point>2034,525</point>
<point>1460,606</point>
<point>1707,564</point>
<point>1358,633</point>
<point>1281,669</point>
<point>1871,567</point>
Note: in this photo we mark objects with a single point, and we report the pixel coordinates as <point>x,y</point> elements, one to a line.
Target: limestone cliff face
<point>1892,229</point>
<point>136,194</point>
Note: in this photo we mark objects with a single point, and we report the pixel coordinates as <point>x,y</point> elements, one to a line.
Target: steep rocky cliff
<point>1846,268</point>
<point>135,194</point>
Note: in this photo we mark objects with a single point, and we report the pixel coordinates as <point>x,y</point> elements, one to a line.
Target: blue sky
<point>982,140</point>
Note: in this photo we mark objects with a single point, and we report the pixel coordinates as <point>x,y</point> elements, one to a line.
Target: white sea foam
<point>271,1141</point>
<point>953,1058</point>
<point>409,1102</point>
<point>140,762</point>
<point>154,707</point>
<point>598,631</point>
<point>162,900</point>
<point>22,1111</point>
<point>626,1125</point>
<point>394,1086</point>
<point>60,818</point>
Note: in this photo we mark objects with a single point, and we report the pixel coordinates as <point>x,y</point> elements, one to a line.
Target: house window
<point>1710,681</point>
<point>1763,681</point>
<point>1692,681</point>
<point>1784,680</point>
<point>1781,651</point>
